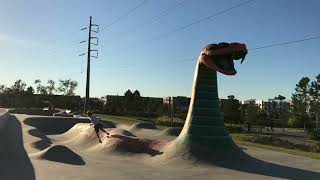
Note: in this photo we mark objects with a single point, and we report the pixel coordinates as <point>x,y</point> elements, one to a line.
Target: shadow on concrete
<point>134,145</point>
<point>62,154</point>
<point>37,133</point>
<point>41,145</point>
<point>238,160</point>
<point>14,160</point>
<point>53,125</point>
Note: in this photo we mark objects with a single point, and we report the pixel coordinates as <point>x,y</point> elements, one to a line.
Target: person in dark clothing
<point>97,125</point>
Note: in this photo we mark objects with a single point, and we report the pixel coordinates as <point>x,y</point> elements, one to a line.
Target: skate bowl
<point>33,111</point>
<point>54,125</point>
<point>171,131</point>
<point>143,125</point>
<point>64,146</point>
<point>120,141</point>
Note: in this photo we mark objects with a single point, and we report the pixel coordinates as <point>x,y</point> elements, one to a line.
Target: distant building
<point>249,101</point>
<point>138,105</point>
<point>111,98</point>
<point>180,103</point>
<point>271,105</point>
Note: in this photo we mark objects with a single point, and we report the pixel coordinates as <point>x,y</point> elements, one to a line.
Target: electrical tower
<point>92,40</point>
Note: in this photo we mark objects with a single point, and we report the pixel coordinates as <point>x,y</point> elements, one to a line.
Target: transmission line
<point>194,22</point>
<point>200,20</point>
<point>285,43</point>
<point>161,14</point>
<point>126,14</point>
<point>266,46</point>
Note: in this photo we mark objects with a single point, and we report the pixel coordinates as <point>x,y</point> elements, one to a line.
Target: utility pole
<point>317,120</point>
<point>90,38</point>
<point>171,112</point>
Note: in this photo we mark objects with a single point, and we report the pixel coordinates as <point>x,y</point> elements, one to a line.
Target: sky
<point>39,39</point>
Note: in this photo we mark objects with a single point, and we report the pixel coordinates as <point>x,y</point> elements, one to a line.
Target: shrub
<point>315,135</point>
<point>165,121</point>
<point>294,122</point>
<point>234,129</point>
<point>274,141</point>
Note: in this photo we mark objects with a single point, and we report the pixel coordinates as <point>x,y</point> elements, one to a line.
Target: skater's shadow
<point>134,145</point>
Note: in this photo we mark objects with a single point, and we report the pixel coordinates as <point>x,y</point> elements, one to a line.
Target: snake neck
<point>204,124</point>
<point>205,99</point>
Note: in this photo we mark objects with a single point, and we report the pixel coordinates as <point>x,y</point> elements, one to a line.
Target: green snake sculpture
<point>204,125</point>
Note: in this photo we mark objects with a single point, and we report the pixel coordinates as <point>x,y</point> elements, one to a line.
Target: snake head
<point>220,57</point>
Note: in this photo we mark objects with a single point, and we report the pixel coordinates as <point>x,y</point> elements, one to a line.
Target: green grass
<point>239,139</point>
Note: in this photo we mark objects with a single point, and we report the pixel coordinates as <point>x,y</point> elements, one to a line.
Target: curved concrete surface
<point>14,160</point>
<point>126,155</point>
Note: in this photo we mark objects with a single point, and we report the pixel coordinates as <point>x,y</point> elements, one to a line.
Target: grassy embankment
<point>242,139</point>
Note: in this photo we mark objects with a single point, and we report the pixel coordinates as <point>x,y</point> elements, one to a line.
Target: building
<point>132,105</point>
<point>179,103</point>
<point>271,105</point>
<point>111,99</point>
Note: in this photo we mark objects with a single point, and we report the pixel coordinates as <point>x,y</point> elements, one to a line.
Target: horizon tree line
<point>66,87</point>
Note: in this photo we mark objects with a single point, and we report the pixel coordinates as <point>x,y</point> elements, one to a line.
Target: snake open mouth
<point>220,57</point>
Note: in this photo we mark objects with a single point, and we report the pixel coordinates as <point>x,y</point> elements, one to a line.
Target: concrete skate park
<point>46,147</point>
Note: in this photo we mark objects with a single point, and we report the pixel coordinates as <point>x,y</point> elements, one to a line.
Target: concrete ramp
<point>54,125</point>
<point>14,160</point>
<point>60,153</point>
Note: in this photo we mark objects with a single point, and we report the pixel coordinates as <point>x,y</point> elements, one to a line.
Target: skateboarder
<point>97,125</point>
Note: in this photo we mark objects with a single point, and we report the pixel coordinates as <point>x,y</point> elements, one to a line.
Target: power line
<point>192,59</point>
<point>193,23</point>
<point>200,20</point>
<point>161,14</point>
<point>285,43</point>
<point>266,46</point>
<point>126,14</point>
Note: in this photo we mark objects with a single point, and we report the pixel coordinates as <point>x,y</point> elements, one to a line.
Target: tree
<point>280,97</point>
<point>250,113</point>
<point>2,88</point>
<point>30,90</point>
<point>128,93</point>
<point>281,112</point>
<point>300,100</point>
<point>231,109</point>
<point>37,82</point>
<point>40,88</point>
<point>67,87</point>
<point>18,87</point>
<point>136,93</point>
<point>50,87</point>
<point>315,96</point>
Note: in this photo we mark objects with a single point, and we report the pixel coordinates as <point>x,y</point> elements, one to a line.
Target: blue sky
<point>39,39</point>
